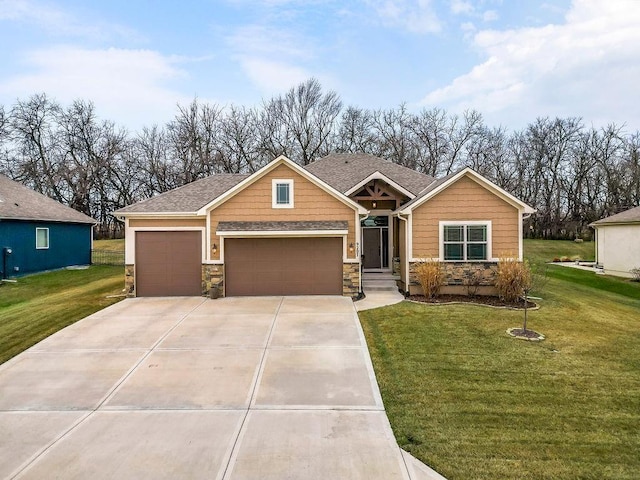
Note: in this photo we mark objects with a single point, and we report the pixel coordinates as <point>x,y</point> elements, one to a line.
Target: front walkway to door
<point>235,388</point>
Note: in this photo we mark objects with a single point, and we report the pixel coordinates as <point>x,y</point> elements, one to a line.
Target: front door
<point>372,247</point>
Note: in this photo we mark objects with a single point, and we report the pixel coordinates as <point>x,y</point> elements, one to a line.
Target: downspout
<point>406,252</point>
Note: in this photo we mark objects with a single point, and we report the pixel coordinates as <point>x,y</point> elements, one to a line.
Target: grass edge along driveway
<point>41,304</point>
<point>474,403</point>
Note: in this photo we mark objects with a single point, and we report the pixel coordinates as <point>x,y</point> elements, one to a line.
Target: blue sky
<point>512,60</point>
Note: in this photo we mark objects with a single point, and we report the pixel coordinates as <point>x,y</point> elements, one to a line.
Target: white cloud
<point>588,66</point>
<point>461,7</point>
<point>62,23</point>
<point>272,58</point>
<point>129,86</point>
<point>415,16</point>
<point>490,16</point>
<point>273,77</point>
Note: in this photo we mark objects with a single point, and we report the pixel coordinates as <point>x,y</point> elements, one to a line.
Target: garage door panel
<point>283,266</point>
<point>168,263</point>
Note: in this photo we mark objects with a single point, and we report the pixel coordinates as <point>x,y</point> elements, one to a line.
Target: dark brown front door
<point>168,264</point>
<point>283,266</point>
<point>371,247</point>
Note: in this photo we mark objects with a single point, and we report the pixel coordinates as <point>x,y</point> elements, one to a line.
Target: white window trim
<point>465,223</point>
<point>46,230</point>
<point>274,193</point>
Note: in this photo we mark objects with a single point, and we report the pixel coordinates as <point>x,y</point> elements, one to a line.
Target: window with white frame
<point>42,238</point>
<point>465,241</point>
<point>282,194</point>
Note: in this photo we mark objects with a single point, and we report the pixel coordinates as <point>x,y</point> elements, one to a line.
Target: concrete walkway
<point>375,299</point>
<point>237,388</point>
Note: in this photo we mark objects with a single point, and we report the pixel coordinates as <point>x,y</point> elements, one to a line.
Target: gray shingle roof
<point>18,202</point>
<point>628,216</point>
<point>188,198</point>
<point>281,226</point>
<point>343,171</point>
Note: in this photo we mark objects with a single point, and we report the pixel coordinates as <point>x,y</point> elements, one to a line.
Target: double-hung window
<point>42,238</point>
<point>465,241</point>
<point>282,194</point>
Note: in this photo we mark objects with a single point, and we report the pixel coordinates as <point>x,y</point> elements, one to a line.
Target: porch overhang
<point>283,228</point>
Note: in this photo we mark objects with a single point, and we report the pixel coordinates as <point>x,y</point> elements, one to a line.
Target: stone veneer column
<point>129,281</point>
<point>212,276</point>
<point>350,279</point>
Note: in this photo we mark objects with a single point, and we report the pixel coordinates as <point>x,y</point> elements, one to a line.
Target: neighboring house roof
<point>188,198</point>
<point>344,171</point>
<point>281,226</point>
<point>628,216</point>
<point>442,183</point>
<point>18,202</point>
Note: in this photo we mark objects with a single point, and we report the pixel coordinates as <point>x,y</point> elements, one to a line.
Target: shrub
<point>513,278</point>
<point>556,259</point>
<point>430,276</point>
<point>473,281</point>
<point>636,274</point>
<point>565,259</point>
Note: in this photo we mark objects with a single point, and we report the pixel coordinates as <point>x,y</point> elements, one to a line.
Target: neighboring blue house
<point>38,233</point>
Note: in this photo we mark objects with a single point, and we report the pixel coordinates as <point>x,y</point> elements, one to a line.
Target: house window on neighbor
<point>42,238</point>
<point>282,194</point>
<point>465,242</point>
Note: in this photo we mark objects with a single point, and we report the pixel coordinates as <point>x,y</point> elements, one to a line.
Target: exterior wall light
<point>374,204</point>
<point>214,249</point>
<point>351,248</point>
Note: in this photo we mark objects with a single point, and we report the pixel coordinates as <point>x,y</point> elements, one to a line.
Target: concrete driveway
<point>236,388</point>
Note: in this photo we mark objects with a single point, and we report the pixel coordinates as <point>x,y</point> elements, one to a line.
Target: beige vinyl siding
<point>465,200</point>
<point>254,203</point>
<point>167,222</point>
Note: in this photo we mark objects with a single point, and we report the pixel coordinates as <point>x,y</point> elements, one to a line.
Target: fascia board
<point>282,233</point>
<point>142,215</point>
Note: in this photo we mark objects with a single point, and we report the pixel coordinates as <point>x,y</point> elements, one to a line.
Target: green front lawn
<point>542,251</point>
<point>39,305</point>
<point>113,245</point>
<point>474,403</point>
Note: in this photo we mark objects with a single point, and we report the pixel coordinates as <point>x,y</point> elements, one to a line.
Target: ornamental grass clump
<point>430,276</point>
<point>513,279</point>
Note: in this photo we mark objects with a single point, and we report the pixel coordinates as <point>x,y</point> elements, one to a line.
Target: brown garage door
<point>283,266</point>
<point>168,264</point>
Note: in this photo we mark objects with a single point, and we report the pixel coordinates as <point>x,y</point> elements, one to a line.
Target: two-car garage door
<point>283,266</point>
<point>170,263</point>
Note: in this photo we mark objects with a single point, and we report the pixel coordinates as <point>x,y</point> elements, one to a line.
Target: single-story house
<point>38,233</point>
<point>287,229</point>
<point>618,242</point>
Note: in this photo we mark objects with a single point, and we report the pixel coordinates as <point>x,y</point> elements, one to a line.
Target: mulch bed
<point>478,300</point>
<point>525,334</point>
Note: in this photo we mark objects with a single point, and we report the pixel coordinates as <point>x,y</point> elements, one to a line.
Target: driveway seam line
<point>236,441</point>
<point>110,393</point>
<point>149,351</point>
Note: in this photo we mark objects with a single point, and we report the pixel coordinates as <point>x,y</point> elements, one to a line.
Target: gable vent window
<point>282,194</point>
<point>42,238</point>
<point>465,241</point>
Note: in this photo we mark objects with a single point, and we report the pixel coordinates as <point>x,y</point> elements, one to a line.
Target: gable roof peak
<point>344,171</point>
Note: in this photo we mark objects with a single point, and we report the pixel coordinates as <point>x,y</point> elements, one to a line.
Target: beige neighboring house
<point>292,230</point>
<point>618,242</point>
